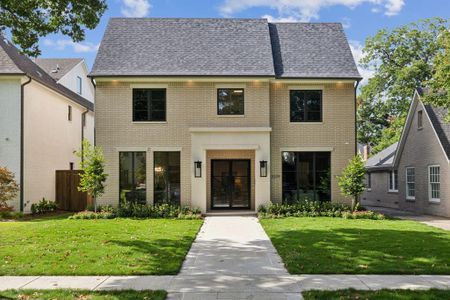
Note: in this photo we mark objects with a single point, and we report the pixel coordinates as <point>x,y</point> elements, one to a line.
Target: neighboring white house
<point>70,72</point>
<point>42,124</point>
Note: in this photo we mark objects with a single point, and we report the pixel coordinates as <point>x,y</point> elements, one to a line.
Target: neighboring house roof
<point>223,47</point>
<point>185,47</point>
<point>442,128</point>
<point>318,50</point>
<point>25,66</point>
<point>57,67</point>
<point>383,160</point>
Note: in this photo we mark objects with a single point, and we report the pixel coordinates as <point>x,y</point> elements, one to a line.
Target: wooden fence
<point>67,195</point>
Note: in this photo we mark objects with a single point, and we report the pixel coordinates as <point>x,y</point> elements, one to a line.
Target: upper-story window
<point>306,106</point>
<point>149,105</point>
<point>79,85</point>
<point>420,119</point>
<point>230,101</point>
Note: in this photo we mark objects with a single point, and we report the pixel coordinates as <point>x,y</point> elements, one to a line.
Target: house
<point>224,113</point>
<point>419,170</point>
<point>42,124</point>
<point>71,73</point>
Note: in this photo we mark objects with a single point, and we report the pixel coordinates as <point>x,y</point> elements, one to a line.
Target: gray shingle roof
<point>57,67</point>
<point>383,159</point>
<point>24,65</point>
<point>186,47</point>
<point>318,50</point>
<point>223,47</point>
<point>437,117</point>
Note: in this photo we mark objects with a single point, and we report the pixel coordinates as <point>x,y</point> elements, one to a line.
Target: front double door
<point>230,184</point>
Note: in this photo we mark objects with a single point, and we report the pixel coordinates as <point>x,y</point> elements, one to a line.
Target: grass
<point>82,295</point>
<point>342,246</point>
<point>349,294</point>
<point>58,246</point>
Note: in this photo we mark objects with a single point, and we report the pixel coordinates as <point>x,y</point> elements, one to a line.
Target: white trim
<point>149,79</point>
<point>166,149</point>
<point>80,62</point>
<point>149,86</point>
<point>392,177</point>
<point>230,86</point>
<point>307,149</point>
<point>430,199</point>
<point>230,129</point>
<point>230,147</point>
<point>406,183</point>
<point>131,149</point>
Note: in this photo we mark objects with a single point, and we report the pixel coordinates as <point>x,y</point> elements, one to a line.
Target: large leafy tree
<point>28,20</point>
<point>403,60</point>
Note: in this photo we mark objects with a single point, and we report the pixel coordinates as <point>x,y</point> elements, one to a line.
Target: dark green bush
<point>89,215</point>
<point>43,206</point>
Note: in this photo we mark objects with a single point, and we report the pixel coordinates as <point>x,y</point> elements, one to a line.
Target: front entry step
<point>230,213</point>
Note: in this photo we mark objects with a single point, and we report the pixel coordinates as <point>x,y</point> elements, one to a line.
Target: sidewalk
<point>231,258</point>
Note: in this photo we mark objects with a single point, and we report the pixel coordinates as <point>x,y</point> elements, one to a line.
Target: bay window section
<point>132,177</point>
<point>306,176</point>
<point>167,177</point>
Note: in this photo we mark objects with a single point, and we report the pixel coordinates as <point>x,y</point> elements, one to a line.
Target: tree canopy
<point>28,20</point>
<point>403,59</point>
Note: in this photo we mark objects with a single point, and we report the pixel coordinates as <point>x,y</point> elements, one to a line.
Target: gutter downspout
<point>22,140</point>
<point>83,124</point>
<point>95,88</point>
<point>356,120</point>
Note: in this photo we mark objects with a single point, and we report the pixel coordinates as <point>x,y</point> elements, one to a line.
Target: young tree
<point>28,20</point>
<point>8,187</point>
<point>403,59</point>
<point>93,177</point>
<point>351,181</point>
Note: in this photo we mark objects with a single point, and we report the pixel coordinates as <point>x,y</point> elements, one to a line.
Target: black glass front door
<point>230,184</point>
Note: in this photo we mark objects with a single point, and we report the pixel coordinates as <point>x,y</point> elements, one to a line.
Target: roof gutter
<point>22,140</point>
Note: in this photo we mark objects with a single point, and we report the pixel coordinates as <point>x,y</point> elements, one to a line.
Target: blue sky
<point>361,18</point>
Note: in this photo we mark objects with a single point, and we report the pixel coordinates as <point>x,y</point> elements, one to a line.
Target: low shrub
<point>90,215</point>
<point>11,215</point>
<point>309,208</point>
<point>43,206</point>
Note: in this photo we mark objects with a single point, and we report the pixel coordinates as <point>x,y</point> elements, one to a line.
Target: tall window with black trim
<point>149,105</point>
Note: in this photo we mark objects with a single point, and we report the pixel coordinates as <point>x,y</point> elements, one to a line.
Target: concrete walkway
<point>435,221</point>
<point>231,258</point>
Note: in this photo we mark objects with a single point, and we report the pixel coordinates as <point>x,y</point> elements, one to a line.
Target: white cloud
<point>346,23</point>
<point>135,8</point>
<point>82,47</point>
<point>279,19</point>
<point>357,50</point>
<point>306,10</point>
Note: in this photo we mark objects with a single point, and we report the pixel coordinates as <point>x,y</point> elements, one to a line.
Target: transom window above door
<point>149,105</point>
<point>305,106</point>
<point>230,101</point>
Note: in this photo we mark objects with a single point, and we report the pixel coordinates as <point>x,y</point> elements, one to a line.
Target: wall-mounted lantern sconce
<point>263,168</point>
<point>198,169</point>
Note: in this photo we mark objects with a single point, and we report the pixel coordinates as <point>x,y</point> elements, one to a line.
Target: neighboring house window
<point>434,183</point>
<point>167,177</point>
<point>369,181</point>
<point>420,119</point>
<point>71,166</point>
<point>306,106</point>
<point>393,181</point>
<point>69,113</point>
<point>79,85</point>
<point>410,183</point>
<point>149,105</point>
<point>306,175</point>
<point>230,101</point>
<point>132,177</point>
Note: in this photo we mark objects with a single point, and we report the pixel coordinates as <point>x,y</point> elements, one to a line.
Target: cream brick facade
<point>193,104</point>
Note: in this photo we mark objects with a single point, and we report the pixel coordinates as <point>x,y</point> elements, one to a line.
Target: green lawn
<point>81,295</point>
<point>59,246</point>
<point>341,246</point>
<point>378,295</point>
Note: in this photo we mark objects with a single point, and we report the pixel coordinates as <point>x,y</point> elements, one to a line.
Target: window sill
<point>369,190</point>
<point>434,201</point>
<point>410,199</point>
<point>149,122</point>
<point>231,116</point>
<point>393,191</point>
<point>306,123</point>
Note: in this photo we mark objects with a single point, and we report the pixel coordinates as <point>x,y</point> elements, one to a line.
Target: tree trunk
<point>354,203</point>
<point>95,204</point>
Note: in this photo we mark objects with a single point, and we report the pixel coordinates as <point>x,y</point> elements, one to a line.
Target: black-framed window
<point>149,105</point>
<point>132,177</point>
<point>166,185</point>
<point>230,101</point>
<point>305,105</point>
<point>306,176</point>
<point>420,119</point>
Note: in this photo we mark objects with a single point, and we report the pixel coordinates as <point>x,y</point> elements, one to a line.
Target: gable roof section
<point>27,67</point>
<point>184,47</point>
<point>440,127</point>
<point>312,50</point>
<point>57,67</point>
<point>383,159</point>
